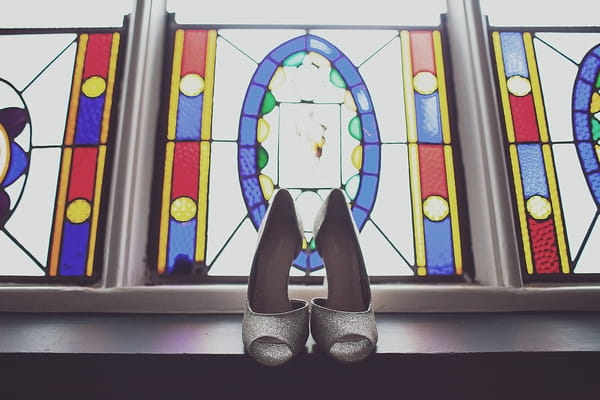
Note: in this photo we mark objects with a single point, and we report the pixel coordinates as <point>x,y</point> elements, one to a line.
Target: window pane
<point>57,94</point>
<point>549,86</point>
<point>252,110</point>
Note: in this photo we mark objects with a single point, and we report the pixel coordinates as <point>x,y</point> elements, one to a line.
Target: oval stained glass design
<point>15,144</point>
<point>306,78</point>
<point>586,119</point>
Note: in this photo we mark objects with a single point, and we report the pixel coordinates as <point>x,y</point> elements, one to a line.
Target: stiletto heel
<point>343,324</point>
<point>275,328</point>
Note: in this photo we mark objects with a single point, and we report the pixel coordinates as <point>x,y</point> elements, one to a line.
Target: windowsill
<point>489,354</point>
<point>399,333</point>
<point>226,299</point>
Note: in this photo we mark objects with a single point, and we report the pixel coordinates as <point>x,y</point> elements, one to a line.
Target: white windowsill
<point>201,299</point>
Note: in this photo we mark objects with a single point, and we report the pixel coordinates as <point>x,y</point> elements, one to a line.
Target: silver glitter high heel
<point>275,328</point>
<point>343,324</point>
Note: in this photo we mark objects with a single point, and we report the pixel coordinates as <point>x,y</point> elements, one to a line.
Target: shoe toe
<point>351,349</point>
<point>270,352</point>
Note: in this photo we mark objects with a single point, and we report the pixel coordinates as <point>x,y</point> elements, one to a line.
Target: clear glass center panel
<point>309,155</point>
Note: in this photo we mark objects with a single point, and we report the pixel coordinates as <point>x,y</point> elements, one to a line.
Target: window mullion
<point>493,237</point>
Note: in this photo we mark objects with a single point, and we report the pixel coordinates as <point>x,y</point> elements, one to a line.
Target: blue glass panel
<point>323,47</point>
<point>532,170</point>
<point>189,117</point>
<point>248,131</point>
<point>74,249</point>
<point>369,128</point>
<point>89,120</point>
<point>587,156</point>
<point>438,247</point>
<point>290,47</point>
<point>429,128</point>
<point>371,159</point>
<point>588,69</point>
<point>301,260</point>
<point>596,51</point>
<point>366,193</point>
<point>247,161</point>
<point>362,98</point>
<point>582,95</point>
<point>252,193</point>
<point>514,54</point>
<point>360,217</point>
<point>253,101</point>
<point>315,260</point>
<point>582,126</point>
<point>18,164</point>
<point>594,182</point>
<point>182,243</point>
<point>257,214</point>
<point>348,72</point>
<point>265,71</point>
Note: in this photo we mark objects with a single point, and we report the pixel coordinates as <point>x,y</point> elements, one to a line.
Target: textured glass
<point>307,110</point>
<point>56,109</point>
<point>550,95</point>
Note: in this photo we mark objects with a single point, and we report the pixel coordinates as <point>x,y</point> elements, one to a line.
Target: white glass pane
<point>579,207</point>
<point>63,13</point>
<point>590,253</point>
<point>315,12</point>
<point>236,258</point>
<point>233,72</point>
<point>36,206</point>
<point>380,257</point>
<point>393,212</point>
<point>225,205</point>
<point>541,12</point>
<point>15,261</point>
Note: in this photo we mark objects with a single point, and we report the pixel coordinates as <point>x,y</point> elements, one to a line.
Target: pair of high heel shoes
<point>275,328</point>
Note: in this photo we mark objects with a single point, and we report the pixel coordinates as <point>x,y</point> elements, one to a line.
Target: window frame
<point>123,287</point>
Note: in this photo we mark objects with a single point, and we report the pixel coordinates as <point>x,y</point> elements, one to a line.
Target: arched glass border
<point>258,101</point>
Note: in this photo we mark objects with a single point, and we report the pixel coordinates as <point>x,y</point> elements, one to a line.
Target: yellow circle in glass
<point>183,209</point>
<point>79,211</point>
<point>425,82</point>
<point>4,152</point>
<point>595,103</point>
<point>93,86</point>
<point>518,85</point>
<point>191,85</point>
<point>349,101</point>
<point>262,130</point>
<point>318,60</point>
<point>356,156</point>
<point>266,184</point>
<point>539,207</point>
<point>435,208</point>
<point>279,78</point>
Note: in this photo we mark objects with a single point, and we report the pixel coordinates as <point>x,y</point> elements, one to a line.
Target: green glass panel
<point>355,128</point>
<point>351,186</point>
<point>336,78</point>
<point>312,244</point>
<point>595,129</point>
<point>295,59</point>
<point>268,104</point>
<point>598,82</point>
<point>262,157</point>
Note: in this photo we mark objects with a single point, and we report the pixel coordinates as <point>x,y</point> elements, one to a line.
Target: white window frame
<point>123,286</point>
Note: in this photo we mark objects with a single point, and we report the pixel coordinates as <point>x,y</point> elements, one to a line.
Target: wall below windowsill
<point>420,354</point>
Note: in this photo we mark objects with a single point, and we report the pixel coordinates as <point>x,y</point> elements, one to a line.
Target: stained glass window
<point>58,89</point>
<point>252,110</point>
<point>549,87</point>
